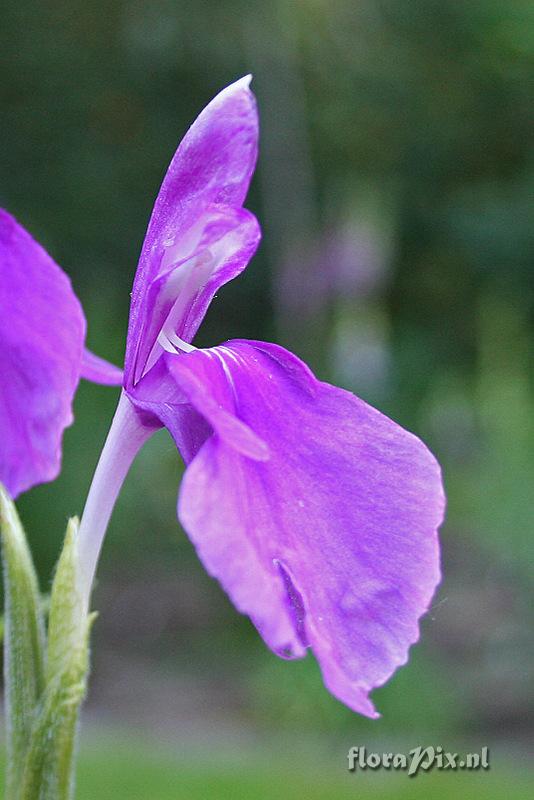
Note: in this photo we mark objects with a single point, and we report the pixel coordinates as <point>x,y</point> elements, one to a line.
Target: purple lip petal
<point>226,519</point>
<point>209,173</point>
<point>347,504</point>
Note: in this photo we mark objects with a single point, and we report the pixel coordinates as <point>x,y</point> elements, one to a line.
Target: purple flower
<point>42,357</point>
<point>317,514</point>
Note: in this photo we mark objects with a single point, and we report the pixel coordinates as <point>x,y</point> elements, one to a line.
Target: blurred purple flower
<point>317,514</point>
<point>347,261</point>
<point>42,357</point>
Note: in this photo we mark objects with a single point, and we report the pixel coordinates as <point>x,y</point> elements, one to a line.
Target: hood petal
<point>210,172</point>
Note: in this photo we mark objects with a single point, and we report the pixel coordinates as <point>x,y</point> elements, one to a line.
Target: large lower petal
<point>42,330</point>
<point>332,541</point>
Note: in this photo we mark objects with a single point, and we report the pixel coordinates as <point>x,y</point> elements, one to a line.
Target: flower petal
<point>98,370</point>
<point>332,541</point>
<point>217,249</point>
<point>208,176</point>
<point>42,330</point>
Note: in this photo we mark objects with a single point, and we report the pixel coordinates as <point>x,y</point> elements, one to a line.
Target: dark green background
<point>394,191</point>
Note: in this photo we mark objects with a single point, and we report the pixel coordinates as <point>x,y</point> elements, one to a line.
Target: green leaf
<point>24,642</point>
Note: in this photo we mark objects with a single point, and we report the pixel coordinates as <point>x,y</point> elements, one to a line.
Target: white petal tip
<point>235,87</point>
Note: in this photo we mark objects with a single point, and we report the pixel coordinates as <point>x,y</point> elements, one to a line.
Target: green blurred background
<point>393,190</point>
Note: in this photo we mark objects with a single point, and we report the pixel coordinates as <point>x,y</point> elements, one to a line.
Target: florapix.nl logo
<point>418,759</point>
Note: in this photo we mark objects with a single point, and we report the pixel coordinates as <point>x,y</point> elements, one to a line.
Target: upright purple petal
<point>42,330</point>
<point>330,543</point>
<point>196,210</point>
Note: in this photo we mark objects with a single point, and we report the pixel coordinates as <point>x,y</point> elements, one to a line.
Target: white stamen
<point>180,344</point>
<point>172,343</point>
